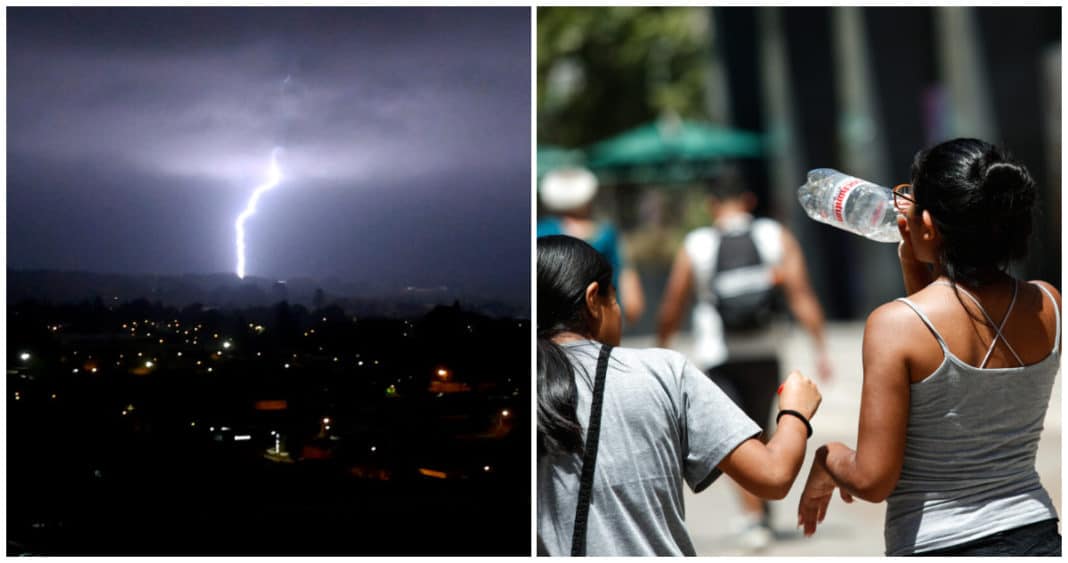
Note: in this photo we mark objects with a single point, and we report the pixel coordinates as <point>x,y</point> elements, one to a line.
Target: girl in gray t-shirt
<point>663,421</point>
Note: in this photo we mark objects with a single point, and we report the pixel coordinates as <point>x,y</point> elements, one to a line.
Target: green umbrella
<point>672,150</point>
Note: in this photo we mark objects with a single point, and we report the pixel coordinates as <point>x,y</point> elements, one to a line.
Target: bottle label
<point>877,215</point>
<point>840,198</point>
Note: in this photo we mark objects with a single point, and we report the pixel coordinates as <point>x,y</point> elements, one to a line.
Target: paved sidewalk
<point>855,529</point>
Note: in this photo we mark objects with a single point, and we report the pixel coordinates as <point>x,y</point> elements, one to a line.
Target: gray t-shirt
<point>663,420</point>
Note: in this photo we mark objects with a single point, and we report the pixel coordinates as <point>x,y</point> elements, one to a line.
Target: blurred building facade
<point>857,89</point>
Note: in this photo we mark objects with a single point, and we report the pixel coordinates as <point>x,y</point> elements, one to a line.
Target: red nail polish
<point>779,392</point>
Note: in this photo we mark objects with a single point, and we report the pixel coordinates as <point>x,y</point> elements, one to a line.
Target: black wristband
<point>798,415</point>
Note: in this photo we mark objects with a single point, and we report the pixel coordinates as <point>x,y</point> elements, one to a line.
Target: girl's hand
<point>800,394</point>
<point>812,508</point>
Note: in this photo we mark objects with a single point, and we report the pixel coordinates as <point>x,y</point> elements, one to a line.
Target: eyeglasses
<point>903,197</point>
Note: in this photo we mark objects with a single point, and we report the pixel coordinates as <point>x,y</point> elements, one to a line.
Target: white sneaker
<point>741,523</point>
<point>756,537</point>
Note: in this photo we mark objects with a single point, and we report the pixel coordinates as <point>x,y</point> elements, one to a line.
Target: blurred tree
<point>604,70</point>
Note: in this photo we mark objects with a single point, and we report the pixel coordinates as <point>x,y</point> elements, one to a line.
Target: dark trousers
<point>751,384</point>
<point>1038,539</point>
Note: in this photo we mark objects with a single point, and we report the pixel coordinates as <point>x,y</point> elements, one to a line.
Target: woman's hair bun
<point>1009,187</point>
<point>981,199</point>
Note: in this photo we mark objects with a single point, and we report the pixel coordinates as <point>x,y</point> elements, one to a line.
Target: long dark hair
<point>981,200</point>
<point>566,267</point>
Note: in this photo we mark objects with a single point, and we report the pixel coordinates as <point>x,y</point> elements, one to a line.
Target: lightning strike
<point>274,177</point>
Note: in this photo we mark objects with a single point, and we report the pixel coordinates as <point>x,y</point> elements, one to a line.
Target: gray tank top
<point>969,468</point>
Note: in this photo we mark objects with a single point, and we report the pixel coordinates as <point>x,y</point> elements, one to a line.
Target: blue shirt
<point>605,240</point>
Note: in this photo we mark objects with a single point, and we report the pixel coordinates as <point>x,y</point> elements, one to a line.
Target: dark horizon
<point>340,288</point>
<point>226,292</point>
<point>137,135</point>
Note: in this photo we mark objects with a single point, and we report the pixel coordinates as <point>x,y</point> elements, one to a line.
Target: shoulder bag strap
<point>589,457</point>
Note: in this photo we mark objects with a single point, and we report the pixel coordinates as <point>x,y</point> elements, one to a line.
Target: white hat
<point>565,189</point>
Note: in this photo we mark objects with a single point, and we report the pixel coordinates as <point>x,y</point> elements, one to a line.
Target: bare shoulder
<point>890,329</point>
<point>1052,290</point>
<point>892,316</point>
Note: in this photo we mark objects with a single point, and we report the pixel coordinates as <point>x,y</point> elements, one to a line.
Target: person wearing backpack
<point>738,269</point>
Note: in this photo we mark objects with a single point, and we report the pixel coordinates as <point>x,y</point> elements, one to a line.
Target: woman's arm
<point>630,287</point>
<point>768,470</point>
<point>802,300</point>
<point>871,472</point>
<point>676,294</point>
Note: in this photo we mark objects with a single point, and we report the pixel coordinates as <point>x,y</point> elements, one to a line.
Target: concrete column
<point>784,159</point>
<point>863,149</point>
<point>717,88</point>
<point>963,71</point>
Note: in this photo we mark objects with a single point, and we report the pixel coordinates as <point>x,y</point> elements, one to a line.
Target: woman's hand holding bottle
<point>916,274</point>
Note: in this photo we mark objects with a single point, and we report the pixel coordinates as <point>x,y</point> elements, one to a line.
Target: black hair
<point>566,267</point>
<point>728,185</point>
<point>981,199</point>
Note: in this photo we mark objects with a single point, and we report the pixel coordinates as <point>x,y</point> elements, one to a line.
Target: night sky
<point>135,136</point>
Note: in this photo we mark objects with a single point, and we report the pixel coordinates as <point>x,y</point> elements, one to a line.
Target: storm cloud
<point>134,136</point>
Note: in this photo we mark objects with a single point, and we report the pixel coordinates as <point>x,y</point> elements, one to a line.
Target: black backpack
<point>742,287</point>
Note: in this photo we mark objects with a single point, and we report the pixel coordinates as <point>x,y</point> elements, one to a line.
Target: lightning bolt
<point>274,176</point>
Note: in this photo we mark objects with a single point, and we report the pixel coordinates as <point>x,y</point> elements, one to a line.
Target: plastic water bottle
<point>849,203</point>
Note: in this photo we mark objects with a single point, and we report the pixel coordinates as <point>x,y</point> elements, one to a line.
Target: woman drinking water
<point>958,375</point>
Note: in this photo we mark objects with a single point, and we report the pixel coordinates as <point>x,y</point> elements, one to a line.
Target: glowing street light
<point>25,356</point>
